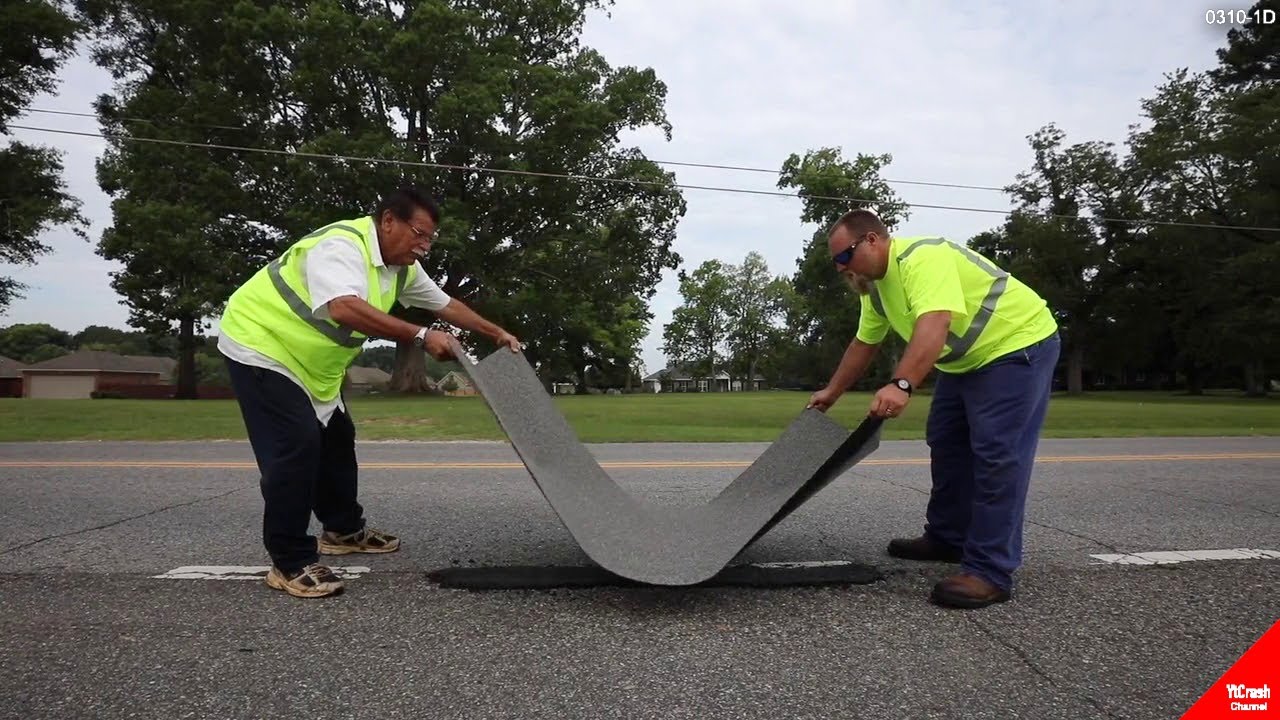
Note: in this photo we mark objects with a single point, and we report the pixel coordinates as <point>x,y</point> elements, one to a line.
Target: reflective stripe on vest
<point>961,344</point>
<point>876,303</point>
<point>345,337</point>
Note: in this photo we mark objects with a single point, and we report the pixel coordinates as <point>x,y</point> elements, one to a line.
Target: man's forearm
<point>927,340</point>
<point>458,314</point>
<point>359,315</point>
<point>852,366</point>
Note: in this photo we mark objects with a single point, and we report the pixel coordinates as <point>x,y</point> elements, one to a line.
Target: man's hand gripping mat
<point>660,546</point>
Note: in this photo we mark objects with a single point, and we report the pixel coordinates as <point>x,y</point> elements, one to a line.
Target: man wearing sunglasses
<point>995,344</point>
<point>289,334</point>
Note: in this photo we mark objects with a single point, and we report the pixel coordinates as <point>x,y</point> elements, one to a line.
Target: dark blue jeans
<point>982,432</point>
<point>306,467</point>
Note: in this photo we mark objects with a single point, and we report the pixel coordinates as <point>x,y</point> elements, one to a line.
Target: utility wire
<point>709,166</point>
<point>619,181</point>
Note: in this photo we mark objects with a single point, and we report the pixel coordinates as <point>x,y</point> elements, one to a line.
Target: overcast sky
<point>950,89</point>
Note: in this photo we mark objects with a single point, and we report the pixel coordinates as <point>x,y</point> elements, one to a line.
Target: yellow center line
<point>619,465</point>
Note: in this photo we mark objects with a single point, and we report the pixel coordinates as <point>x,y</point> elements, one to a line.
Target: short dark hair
<point>403,200</point>
<point>860,222</point>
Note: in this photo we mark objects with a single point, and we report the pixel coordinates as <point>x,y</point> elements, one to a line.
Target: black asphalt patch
<point>531,577</point>
<point>661,546</point>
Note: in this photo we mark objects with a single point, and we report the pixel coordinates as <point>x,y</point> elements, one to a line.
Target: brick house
<point>82,373</point>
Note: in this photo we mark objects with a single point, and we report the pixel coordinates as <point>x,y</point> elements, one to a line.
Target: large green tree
<point>503,85</point>
<point>1058,240</point>
<point>188,223</point>
<point>822,316</point>
<point>1248,75</point>
<point>756,311</point>
<point>696,337</point>
<point>1208,153</point>
<point>39,36</point>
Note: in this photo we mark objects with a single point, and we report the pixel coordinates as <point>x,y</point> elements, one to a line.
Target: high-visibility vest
<point>992,312</point>
<point>271,312</point>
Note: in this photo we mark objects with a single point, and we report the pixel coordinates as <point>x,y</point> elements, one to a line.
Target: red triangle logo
<point>1250,690</point>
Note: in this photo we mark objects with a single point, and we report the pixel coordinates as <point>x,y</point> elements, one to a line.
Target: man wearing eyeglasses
<point>995,344</point>
<point>289,334</point>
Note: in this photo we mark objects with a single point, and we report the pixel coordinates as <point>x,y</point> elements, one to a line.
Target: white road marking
<point>1169,557</point>
<point>242,572</point>
<point>801,564</point>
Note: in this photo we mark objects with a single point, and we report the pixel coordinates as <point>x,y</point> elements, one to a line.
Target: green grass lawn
<point>716,417</point>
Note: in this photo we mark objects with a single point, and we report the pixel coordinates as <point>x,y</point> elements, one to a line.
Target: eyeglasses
<point>421,233</point>
<point>844,257</point>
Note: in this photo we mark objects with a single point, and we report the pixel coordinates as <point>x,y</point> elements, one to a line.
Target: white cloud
<point>951,90</point>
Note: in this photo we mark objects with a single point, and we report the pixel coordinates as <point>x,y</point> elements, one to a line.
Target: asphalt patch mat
<point>528,577</point>
<point>660,546</point>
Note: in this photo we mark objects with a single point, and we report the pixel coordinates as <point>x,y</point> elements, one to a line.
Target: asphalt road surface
<point>87,630</point>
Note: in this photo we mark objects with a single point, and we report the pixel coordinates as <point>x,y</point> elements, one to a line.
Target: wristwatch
<point>902,384</point>
<point>420,339</point>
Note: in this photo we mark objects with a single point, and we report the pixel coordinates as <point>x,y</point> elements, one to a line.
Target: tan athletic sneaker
<point>367,540</point>
<point>312,581</point>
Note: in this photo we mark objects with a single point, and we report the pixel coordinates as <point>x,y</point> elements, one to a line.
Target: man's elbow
<point>342,310</point>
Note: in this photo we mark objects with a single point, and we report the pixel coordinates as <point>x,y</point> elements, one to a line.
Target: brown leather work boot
<point>967,591</point>
<point>922,548</point>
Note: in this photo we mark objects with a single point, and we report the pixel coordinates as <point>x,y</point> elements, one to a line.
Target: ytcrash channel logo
<point>1245,691</point>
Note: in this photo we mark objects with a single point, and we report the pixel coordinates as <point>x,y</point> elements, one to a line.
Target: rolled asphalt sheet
<point>660,546</point>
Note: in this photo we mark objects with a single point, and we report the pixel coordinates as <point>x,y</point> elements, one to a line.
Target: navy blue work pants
<point>306,467</point>
<point>982,433</point>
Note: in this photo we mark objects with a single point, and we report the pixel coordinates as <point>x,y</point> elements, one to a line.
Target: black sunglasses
<point>844,257</point>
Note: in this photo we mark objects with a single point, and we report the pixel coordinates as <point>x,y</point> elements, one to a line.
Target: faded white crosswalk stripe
<point>243,572</point>
<point>1169,557</point>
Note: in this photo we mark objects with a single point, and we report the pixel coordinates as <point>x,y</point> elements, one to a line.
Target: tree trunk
<point>1255,378</point>
<point>580,370</point>
<point>1195,381</point>
<point>186,358</point>
<point>751,376</point>
<point>1075,369</point>
<point>543,372</point>
<point>410,372</point>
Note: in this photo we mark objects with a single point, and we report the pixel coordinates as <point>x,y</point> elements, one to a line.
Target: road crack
<point>1073,534</point>
<point>864,476</point>
<point>113,523</point>
<point>1037,670</point>
<point>1064,531</point>
<point>1233,506</point>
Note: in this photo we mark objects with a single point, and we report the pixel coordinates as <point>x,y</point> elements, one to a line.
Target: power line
<point>775,172</point>
<point>619,181</point>
<point>676,163</point>
<point>70,113</point>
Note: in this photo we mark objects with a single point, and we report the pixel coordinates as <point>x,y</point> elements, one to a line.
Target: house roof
<point>10,368</point>
<point>361,375</point>
<point>102,361</point>
<point>680,373</point>
<point>675,373</point>
<point>460,378</point>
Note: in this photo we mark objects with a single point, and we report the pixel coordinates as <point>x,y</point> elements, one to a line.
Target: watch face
<point>903,385</point>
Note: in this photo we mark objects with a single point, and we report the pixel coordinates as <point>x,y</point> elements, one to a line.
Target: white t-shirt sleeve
<point>335,268</point>
<point>422,292</point>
